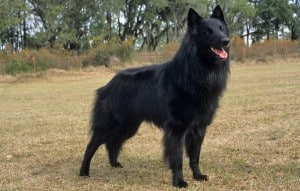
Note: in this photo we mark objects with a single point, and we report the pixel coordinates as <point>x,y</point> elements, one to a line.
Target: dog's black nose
<point>225,41</point>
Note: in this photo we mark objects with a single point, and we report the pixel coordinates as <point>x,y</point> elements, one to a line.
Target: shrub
<point>61,58</point>
<point>162,54</point>
<point>238,49</point>
<point>41,64</point>
<point>106,53</point>
<point>118,52</point>
<point>38,60</point>
<point>14,67</point>
<point>262,51</point>
<point>26,61</point>
<point>273,48</point>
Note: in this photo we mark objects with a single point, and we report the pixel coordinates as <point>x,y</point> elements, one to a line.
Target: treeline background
<point>38,34</point>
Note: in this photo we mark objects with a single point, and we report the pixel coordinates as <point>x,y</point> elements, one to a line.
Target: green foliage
<point>237,14</point>
<point>11,14</point>
<point>42,64</point>
<point>73,24</point>
<point>31,61</point>
<point>19,65</point>
<point>272,18</point>
<point>37,41</point>
<point>14,67</point>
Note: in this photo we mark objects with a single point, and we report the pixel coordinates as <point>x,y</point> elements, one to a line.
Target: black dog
<point>180,96</point>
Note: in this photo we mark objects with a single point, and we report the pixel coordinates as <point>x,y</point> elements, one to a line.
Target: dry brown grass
<point>253,143</point>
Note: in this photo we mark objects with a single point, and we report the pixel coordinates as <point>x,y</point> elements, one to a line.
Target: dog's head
<point>210,34</point>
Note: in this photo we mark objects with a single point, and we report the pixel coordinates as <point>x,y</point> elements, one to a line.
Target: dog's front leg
<point>173,142</point>
<point>193,141</point>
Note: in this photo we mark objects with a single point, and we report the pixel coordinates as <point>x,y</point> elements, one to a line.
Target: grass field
<point>253,144</point>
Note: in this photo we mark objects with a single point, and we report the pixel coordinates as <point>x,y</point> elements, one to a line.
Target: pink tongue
<point>221,53</point>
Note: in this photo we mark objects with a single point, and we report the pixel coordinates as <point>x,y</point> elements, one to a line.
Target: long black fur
<point>180,96</point>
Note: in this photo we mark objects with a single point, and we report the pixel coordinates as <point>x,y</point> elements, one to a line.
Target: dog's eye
<point>209,31</point>
<point>221,28</point>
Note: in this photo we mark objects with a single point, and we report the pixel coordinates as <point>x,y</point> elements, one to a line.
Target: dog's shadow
<point>136,171</point>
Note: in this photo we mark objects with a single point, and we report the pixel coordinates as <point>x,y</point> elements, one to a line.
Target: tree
<point>239,16</point>
<point>12,30</point>
<point>80,25</point>
<point>272,17</point>
<point>294,23</point>
<point>77,19</point>
<point>174,15</point>
<point>50,15</point>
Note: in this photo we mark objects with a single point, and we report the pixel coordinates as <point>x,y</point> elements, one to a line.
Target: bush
<point>17,66</point>
<point>26,61</point>
<point>107,53</point>
<point>238,49</point>
<point>118,52</point>
<point>162,54</point>
<point>262,51</point>
<point>39,60</point>
<point>14,67</point>
<point>57,57</point>
<point>273,48</point>
<point>42,64</point>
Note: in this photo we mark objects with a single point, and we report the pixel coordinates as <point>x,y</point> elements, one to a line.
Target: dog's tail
<point>101,115</point>
<point>96,110</point>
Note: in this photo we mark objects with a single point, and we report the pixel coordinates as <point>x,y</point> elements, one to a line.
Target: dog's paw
<point>117,165</point>
<point>200,177</point>
<point>180,184</point>
<point>84,175</point>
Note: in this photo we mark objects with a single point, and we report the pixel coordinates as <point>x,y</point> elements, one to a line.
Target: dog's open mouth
<point>220,52</point>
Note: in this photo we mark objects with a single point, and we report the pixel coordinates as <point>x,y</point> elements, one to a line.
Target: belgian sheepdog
<point>180,96</point>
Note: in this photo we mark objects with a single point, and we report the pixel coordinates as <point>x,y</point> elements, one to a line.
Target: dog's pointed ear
<point>218,14</point>
<point>193,18</point>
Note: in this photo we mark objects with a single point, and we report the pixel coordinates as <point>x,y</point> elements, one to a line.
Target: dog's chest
<point>192,113</point>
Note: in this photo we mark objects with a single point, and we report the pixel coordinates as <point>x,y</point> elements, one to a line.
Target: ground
<point>253,143</point>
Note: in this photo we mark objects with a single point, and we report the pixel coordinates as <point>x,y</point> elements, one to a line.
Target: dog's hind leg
<point>113,147</point>
<point>115,141</point>
<point>92,147</point>
<point>193,142</point>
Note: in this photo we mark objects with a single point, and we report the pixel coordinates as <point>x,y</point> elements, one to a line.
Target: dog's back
<point>132,96</point>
